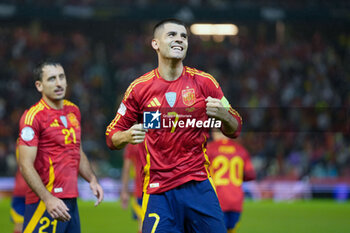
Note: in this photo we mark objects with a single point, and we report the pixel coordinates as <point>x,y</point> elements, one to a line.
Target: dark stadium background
<point>287,71</point>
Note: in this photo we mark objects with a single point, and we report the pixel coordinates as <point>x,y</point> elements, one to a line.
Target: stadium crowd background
<point>211,3</point>
<point>292,88</point>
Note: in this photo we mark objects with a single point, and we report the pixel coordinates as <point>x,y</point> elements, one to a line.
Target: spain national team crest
<point>188,97</point>
<point>73,120</point>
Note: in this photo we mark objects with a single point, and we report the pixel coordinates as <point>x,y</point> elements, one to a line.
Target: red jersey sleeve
<point>213,90</point>
<point>126,116</point>
<point>29,129</point>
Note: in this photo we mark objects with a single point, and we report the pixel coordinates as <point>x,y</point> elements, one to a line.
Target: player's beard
<point>56,98</point>
<point>179,56</point>
<point>61,96</point>
<point>169,54</point>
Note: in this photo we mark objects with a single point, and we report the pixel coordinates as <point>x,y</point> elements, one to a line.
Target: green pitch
<point>258,217</point>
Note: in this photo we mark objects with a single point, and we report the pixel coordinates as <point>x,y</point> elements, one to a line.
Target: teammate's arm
<point>55,206</point>
<point>249,171</point>
<point>87,173</point>
<point>135,135</point>
<point>216,109</point>
<point>124,194</point>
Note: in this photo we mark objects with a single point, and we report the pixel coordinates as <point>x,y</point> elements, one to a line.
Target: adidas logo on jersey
<point>55,123</point>
<point>154,103</point>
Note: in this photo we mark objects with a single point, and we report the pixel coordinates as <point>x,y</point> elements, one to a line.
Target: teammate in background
<point>18,199</point>
<point>178,195</point>
<point>51,156</point>
<point>132,163</point>
<point>230,166</point>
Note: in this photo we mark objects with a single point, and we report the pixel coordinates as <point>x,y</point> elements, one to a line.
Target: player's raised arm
<point>123,130</point>
<point>135,135</point>
<point>55,206</point>
<point>221,110</point>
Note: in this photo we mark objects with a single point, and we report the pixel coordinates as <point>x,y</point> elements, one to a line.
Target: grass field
<point>258,217</point>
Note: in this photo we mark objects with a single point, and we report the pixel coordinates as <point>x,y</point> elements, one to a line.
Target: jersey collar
<point>156,71</point>
<point>42,101</point>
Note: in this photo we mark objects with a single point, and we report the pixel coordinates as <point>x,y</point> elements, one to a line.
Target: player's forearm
<point>125,175</point>
<point>229,125</point>
<point>221,110</point>
<point>135,134</point>
<point>34,181</point>
<point>85,169</point>
<point>120,139</point>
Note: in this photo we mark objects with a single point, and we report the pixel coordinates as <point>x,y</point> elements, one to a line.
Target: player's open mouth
<point>177,48</point>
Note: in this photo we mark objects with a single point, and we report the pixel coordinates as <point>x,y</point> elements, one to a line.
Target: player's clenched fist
<point>215,108</point>
<point>137,134</point>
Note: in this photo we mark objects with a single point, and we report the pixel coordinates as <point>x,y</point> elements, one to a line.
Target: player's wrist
<point>225,116</point>
<point>46,197</point>
<point>121,138</point>
<point>229,128</point>
<point>128,136</point>
<point>93,180</point>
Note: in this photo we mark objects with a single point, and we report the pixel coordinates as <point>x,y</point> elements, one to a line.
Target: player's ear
<point>155,44</point>
<point>39,86</point>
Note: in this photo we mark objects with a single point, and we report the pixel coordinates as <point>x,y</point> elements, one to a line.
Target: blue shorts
<point>231,219</point>
<point>37,219</point>
<point>17,209</point>
<point>136,208</point>
<point>190,208</point>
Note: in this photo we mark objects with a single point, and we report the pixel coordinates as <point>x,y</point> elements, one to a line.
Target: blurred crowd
<point>291,92</point>
<point>193,3</point>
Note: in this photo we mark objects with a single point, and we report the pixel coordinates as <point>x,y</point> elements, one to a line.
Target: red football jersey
<point>20,189</point>
<point>132,152</point>
<point>230,166</point>
<point>174,153</point>
<point>56,134</point>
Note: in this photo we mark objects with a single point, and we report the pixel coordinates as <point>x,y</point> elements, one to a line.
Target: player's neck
<point>55,104</point>
<point>170,70</point>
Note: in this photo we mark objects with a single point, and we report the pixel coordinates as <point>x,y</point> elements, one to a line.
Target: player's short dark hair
<point>169,20</point>
<point>38,70</point>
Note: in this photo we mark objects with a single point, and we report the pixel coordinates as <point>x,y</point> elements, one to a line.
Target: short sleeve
<point>211,87</point>
<point>29,130</point>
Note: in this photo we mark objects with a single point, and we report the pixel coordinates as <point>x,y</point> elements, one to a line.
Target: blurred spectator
<point>211,3</point>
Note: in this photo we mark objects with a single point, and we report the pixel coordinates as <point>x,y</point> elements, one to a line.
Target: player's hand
<point>215,108</point>
<point>124,199</point>
<point>137,134</point>
<point>57,209</point>
<point>97,191</point>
